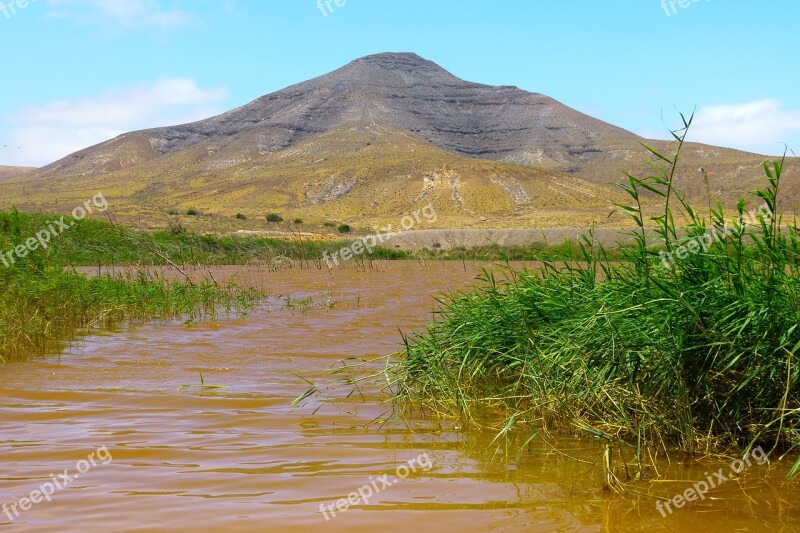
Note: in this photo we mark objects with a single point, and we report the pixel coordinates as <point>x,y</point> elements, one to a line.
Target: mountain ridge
<point>429,101</point>
<point>10,172</point>
<point>325,148</point>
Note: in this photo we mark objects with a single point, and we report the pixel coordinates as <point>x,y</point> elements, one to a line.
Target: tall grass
<point>97,242</point>
<point>105,243</point>
<point>697,355</point>
<point>44,303</point>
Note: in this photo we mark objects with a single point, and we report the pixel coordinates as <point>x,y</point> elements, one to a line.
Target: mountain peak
<point>393,56</point>
<point>392,69</point>
<point>406,60</point>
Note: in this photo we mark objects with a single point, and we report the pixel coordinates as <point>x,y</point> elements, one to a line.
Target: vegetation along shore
<point>697,356</point>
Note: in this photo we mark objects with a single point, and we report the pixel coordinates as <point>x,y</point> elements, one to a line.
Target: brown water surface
<point>241,459</point>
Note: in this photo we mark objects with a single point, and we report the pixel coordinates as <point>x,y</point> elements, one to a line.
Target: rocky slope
<point>375,138</point>
<point>399,91</point>
<point>7,173</point>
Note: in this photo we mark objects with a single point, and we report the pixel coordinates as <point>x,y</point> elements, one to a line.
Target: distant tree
<point>344,228</point>
<point>274,218</point>
<point>241,216</point>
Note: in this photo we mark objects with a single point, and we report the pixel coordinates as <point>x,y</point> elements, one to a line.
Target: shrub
<point>176,229</point>
<point>298,221</point>
<point>344,228</point>
<point>274,218</point>
<point>192,212</point>
<point>240,216</point>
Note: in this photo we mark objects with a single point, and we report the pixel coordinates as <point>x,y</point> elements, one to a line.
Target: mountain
<point>398,91</point>
<point>7,173</point>
<point>372,141</point>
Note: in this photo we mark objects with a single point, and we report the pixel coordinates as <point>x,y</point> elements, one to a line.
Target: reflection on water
<point>240,458</point>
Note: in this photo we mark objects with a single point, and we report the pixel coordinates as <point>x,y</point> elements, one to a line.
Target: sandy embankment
<point>446,239</point>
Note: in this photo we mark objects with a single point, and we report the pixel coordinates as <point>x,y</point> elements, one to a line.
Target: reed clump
<point>44,302</point>
<point>696,351</point>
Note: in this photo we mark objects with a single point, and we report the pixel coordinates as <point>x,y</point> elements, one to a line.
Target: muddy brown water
<point>242,459</point>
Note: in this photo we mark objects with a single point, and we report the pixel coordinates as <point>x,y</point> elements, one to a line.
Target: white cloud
<point>760,126</point>
<point>132,14</point>
<point>43,134</point>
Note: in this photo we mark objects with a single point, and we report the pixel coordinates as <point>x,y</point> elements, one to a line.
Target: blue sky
<point>77,72</point>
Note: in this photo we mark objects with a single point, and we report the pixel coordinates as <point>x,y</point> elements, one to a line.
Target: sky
<point>78,72</point>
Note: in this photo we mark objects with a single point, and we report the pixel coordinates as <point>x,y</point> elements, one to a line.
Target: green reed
<point>698,353</point>
<point>45,303</point>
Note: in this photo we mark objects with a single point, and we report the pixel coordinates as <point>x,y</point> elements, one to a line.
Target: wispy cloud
<point>132,14</point>
<point>760,126</point>
<point>43,134</point>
